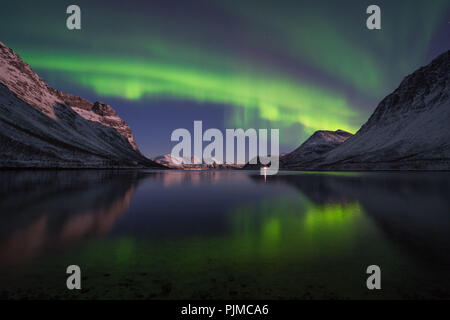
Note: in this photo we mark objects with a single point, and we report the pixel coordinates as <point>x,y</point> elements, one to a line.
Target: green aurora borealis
<point>276,99</point>
<point>299,66</point>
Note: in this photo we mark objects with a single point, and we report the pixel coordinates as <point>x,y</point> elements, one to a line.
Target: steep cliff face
<point>43,127</point>
<point>99,112</point>
<point>409,129</point>
<point>312,149</point>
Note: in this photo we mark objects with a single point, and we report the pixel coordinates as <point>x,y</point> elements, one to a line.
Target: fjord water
<point>224,234</point>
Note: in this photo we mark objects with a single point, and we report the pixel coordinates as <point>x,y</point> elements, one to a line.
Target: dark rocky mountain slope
<point>312,149</point>
<point>409,130</point>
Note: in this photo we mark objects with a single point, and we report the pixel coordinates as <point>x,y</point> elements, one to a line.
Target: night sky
<point>299,66</point>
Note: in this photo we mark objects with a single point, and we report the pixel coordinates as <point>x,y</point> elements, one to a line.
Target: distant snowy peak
<point>180,163</point>
<point>169,161</point>
<point>18,77</point>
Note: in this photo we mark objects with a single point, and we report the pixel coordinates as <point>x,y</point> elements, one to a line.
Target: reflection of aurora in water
<point>284,243</point>
<point>274,231</point>
<point>273,228</point>
<point>232,235</point>
<point>294,226</point>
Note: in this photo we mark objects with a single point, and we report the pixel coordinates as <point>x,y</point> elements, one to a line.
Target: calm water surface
<point>224,234</point>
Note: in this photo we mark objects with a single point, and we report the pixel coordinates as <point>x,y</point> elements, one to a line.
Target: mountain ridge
<point>408,130</point>
<point>41,127</point>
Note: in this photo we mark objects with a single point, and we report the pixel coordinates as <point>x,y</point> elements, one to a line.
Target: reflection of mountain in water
<point>412,209</point>
<point>46,208</point>
<point>319,188</point>
<point>188,179</point>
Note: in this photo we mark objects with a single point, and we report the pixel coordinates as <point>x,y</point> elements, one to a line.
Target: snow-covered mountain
<point>409,130</point>
<point>178,163</point>
<point>43,127</point>
<point>312,149</point>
